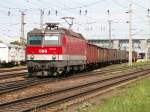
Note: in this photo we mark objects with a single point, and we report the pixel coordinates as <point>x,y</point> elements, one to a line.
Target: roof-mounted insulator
<point>52,25</point>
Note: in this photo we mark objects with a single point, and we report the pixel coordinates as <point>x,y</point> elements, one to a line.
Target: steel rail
<point>6,76</point>
<point>12,69</point>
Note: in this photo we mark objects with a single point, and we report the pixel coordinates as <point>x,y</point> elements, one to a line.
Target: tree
<point>18,43</point>
<point>15,43</point>
<point>1,41</point>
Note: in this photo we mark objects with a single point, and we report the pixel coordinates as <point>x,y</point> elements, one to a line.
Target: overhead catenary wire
<point>61,8</point>
<point>139,5</point>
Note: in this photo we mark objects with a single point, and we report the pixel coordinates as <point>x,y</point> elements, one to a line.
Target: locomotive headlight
<point>53,57</point>
<point>32,57</point>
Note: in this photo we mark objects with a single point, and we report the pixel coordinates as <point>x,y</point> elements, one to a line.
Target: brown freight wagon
<point>112,54</point>
<point>106,55</point>
<point>92,54</point>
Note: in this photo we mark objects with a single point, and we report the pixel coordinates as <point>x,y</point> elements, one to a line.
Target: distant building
<point>139,45</point>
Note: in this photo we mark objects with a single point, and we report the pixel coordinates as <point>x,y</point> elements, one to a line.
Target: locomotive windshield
<point>51,40</point>
<point>45,40</point>
<point>35,40</point>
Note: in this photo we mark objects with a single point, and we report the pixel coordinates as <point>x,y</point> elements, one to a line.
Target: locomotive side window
<point>35,40</point>
<point>52,40</point>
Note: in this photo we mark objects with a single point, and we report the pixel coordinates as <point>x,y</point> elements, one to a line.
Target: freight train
<point>11,55</point>
<point>54,51</point>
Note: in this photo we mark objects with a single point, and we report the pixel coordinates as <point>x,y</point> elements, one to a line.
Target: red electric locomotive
<point>53,50</point>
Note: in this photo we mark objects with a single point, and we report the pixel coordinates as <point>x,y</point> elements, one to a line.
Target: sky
<point>91,17</point>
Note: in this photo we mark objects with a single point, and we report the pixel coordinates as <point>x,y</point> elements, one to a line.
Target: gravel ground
<point>12,79</point>
<point>48,87</point>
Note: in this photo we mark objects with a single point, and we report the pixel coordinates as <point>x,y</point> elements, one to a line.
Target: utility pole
<point>69,21</point>
<point>109,25</point>
<point>22,38</point>
<point>130,34</point>
<point>146,50</point>
<point>41,18</point>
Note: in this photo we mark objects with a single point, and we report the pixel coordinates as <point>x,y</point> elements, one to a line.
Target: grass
<point>135,64</point>
<point>135,98</point>
<point>138,64</point>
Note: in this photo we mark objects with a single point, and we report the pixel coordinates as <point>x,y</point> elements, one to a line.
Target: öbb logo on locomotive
<point>42,51</point>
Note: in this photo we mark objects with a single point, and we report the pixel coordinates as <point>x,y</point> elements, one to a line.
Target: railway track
<point>12,69</point>
<point>22,71</point>
<point>12,74</point>
<point>10,77</point>
<point>54,98</point>
<point>23,84</point>
<point>17,85</point>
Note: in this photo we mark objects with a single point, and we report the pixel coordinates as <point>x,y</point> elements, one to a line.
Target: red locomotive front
<point>53,51</point>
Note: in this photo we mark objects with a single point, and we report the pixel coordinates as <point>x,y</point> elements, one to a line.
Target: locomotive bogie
<point>45,68</point>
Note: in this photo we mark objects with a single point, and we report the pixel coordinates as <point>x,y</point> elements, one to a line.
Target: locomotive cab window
<point>35,40</point>
<point>52,40</point>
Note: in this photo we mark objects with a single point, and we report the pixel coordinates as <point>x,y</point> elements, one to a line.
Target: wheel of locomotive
<point>66,71</point>
<point>30,73</point>
<point>53,73</point>
<point>50,74</point>
<point>56,74</point>
<point>82,68</point>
